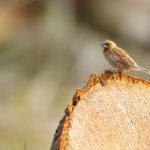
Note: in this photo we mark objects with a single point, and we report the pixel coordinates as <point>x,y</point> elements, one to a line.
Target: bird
<point>119,59</point>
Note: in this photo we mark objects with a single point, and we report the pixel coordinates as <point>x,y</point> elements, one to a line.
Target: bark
<point>111,112</point>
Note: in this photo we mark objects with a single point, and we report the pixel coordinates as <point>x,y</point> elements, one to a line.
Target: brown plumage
<point>120,59</point>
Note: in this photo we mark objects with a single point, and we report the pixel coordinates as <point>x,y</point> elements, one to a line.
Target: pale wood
<point>111,113</point>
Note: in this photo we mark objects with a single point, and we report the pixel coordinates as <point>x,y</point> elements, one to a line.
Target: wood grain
<point>112,112</point>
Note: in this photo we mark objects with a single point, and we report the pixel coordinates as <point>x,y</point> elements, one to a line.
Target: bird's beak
<point>103,45</point>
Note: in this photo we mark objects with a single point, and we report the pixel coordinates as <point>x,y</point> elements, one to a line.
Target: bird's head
<point>108,44</point>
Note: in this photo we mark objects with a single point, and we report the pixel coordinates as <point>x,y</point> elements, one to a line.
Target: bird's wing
<point>123,56</point>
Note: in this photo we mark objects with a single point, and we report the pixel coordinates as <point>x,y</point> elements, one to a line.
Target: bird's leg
<point>109,71</point>
<point>112,72</point>
<point>119,72</point>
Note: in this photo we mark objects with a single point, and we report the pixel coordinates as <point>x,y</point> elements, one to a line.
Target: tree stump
<point>112,112</point>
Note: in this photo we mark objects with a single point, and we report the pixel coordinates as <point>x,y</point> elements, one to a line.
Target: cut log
<point>112,112</point>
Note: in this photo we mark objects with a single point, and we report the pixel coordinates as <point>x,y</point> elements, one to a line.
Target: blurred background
<point>48,49</point>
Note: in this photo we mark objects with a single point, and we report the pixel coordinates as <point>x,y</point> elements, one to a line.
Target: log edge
<point>60,137</point>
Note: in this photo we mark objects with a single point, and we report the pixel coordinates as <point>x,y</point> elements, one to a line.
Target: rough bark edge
<point>60,137</point>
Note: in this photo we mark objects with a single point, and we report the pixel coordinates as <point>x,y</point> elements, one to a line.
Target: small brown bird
<point>120,59</point>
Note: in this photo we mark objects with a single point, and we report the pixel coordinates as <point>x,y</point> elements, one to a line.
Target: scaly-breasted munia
<point>119,58</point>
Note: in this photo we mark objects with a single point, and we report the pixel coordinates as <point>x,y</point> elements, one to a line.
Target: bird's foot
<point>110,71</point>
<point>118,71</point>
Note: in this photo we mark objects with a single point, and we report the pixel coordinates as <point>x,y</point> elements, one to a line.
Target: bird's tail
<point>143,69</point>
